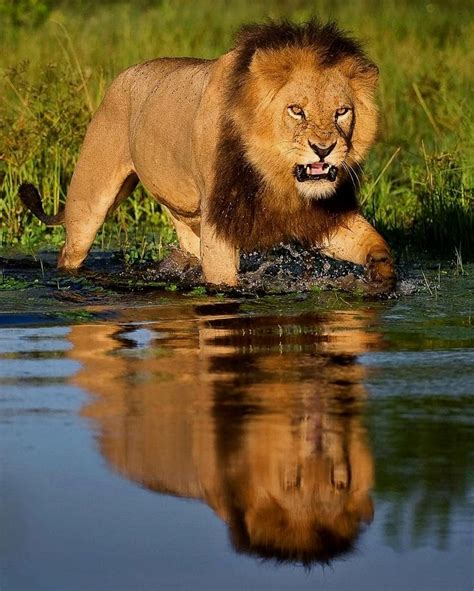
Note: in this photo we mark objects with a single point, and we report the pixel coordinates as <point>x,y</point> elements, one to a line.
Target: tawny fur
<point>213,142</point>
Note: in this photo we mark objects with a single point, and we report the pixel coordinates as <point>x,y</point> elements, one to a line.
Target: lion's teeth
<point>308,169</point>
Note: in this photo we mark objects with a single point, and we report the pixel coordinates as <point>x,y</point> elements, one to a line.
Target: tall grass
<point>58,57</point>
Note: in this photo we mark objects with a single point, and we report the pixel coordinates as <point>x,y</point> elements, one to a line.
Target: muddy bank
<point>285,269</point>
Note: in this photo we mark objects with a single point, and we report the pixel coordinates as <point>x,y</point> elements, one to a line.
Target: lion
<point>257,147</point>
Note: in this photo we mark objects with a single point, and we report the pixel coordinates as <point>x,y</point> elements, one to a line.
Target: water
<point>161,441</point>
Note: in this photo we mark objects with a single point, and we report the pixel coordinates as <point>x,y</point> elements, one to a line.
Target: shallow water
<point>161,441</point>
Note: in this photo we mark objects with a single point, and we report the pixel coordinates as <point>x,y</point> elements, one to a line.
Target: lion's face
<point>317,117</point>
<point>308,126</point>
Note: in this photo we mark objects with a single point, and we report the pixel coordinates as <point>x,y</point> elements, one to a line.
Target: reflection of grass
<point>420,415</point>
<point>424,456</point>
<point>418,181</point>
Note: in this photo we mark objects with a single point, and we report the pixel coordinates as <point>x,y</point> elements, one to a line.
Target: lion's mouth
<point>316,171</point>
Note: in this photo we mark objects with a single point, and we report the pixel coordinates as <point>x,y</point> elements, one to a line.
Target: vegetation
<point>57,57</point>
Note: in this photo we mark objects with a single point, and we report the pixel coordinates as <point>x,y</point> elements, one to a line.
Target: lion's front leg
<point>357,241</point>
<point>220,260</point>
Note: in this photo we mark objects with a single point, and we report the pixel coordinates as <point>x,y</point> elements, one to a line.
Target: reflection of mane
<point>272,442</point>
<point>315,511</point>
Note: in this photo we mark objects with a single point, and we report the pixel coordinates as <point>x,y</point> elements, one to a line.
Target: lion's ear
<point>274,67</point>
<point>362,73</point>
<point>366,73</point>
<point>369,72</point>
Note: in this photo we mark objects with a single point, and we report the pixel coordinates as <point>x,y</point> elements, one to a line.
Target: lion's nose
<point>321,151</point>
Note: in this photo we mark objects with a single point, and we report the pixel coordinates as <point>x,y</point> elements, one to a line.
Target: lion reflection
<point>259,417</point>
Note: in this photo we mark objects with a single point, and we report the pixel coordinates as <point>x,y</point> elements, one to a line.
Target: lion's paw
<point>380,273</point>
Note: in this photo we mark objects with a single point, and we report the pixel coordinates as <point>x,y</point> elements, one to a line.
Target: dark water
<point>162,441</point>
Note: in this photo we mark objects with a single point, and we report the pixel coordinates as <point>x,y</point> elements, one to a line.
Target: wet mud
<point>285,269</point>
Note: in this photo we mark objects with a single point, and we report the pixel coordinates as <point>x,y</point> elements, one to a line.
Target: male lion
<point>256,147</point>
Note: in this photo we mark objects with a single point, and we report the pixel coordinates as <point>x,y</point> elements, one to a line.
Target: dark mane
<point>331,43</point>
<point>239,211</point>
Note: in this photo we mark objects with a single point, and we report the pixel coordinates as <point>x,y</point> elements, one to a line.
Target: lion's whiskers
<point>358,155</point>
<point>352,173</point>
<point>355,172</point>
<point>347,169</point>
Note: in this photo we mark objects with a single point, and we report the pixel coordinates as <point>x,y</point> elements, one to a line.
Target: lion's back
<point>163,97</point>
<point>137,82</point>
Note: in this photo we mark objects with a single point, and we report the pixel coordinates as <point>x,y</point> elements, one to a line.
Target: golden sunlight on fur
<point>282,457</point>
<point>260,146</point>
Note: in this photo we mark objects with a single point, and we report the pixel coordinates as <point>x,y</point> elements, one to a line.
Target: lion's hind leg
<point>85,213</point>
<point>188,236</point>
<point>103,176</point>
<point>176,265</point>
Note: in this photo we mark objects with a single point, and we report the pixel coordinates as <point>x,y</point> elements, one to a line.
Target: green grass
<point>56,59</point>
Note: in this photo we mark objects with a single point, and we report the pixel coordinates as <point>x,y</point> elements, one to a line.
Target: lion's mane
<point>244,209</point>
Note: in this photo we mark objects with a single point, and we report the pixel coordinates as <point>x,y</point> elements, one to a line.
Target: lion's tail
<point>30,197</point>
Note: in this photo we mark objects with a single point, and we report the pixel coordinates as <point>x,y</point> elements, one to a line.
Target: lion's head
<point>299,117</point>
<point>304,105</point>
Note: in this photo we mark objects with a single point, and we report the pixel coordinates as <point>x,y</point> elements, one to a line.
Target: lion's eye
<point>342,111</point>
<point>296,112</point>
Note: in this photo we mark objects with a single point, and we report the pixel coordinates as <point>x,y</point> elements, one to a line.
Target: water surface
<point>161,441</point>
